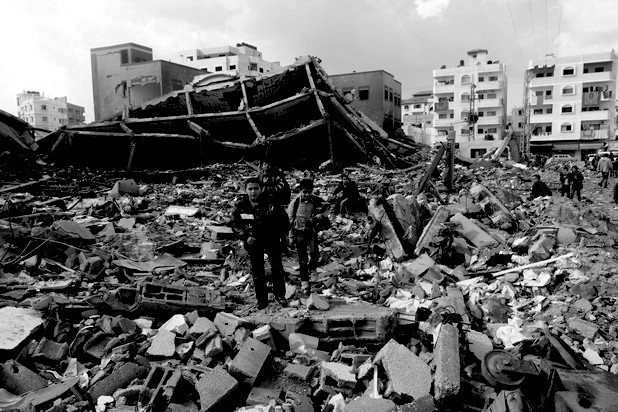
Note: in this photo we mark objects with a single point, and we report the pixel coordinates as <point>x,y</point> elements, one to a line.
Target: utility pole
<point>526,132</point>
<point>472,116</point>
<point>450,141</point>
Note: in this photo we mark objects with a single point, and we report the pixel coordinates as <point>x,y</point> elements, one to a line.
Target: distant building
<point>244,59</point>
<point>125,76</point>
<point>375,93</point>
<point>573,104</point>
<point>46,112</point>
<point>418,109</point>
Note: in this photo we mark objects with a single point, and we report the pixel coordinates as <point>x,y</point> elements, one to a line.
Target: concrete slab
<point>227,323</point>
<point>447,379</point>
<point>201,326</point>
<point>214,387</point>
<point>262,396</point>
<point>17,325</point>
<point>163,344</point>
<point>214,347</point>
<point>473,233</point>
<point>583,327</point>
<point>364,404</point>
<point>18,379</point>
<point>118,378</point>
<point>340,372</point>
<point>249,360</point>
<point>299,371</point>
<point>409,375</point>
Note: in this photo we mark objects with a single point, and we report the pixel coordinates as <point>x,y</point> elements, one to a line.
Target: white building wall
<point>230,60</point>
<point>48,113</point>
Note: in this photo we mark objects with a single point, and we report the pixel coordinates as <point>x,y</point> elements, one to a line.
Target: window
<point>232,67</point>
<point>548,129</point>
<point>549,110</point>
<point>568,90</point>
<point>567,108</point>
<point>390,94</point>
<point>481,79</point>
<point>568,71</point>
<point>566,127</point>
<point>386,93</point>
<point>464,130</point>
<point>44,118</point>
<point>493,78</point>
<point>492,130</point>
<point>519,125</point>
<point>540,75</point>
<point>261,70</point>
<point>598,69</point>
<point>452,115</point>
<point>442,116</point>
<point>491,113</point>
<point>464,115</point>
<point>475,153</point>
<point>219,68</point>
<point>465,97</point>
<point>253,67</point>
<point>492,95</point>
<point>481,114</point>
<point>363,93</point>
<point>43,107</point>
<point>124,56</point>
<point>406,107</point>
<point>465,79</point>
<point>538,111</point>
<point>417,106</point>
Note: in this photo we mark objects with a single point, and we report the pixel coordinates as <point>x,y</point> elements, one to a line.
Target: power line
<point>533,31</point>
<point>521,53</point>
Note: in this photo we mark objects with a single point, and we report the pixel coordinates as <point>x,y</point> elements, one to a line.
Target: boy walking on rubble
<point>306,216</point>
<point>576,181</point>
<point>256,220</point>
<point>605,167</point>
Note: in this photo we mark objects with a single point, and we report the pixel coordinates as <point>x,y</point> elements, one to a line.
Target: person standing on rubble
<point>539,188</point>
<point>565,190</point>
<point>277,189</point>
<point>347,199</point>
<point>576,182</point>
<point>306,214</point>
<point>256,220</point>
<point>604,166</point>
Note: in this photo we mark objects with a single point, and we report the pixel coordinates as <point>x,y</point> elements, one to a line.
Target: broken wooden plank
<point>538,264</point>
<point>429,172</point>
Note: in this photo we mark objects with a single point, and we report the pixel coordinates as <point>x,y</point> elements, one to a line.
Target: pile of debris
<point>118,296</point>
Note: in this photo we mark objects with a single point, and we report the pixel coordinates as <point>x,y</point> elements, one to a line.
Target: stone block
<point>163,344</point>
<point>201,326</point>
<point>446,357</point>
<point>220,232</point>
<point>227,323</point>
<point>583,305</point>
<point>249,360</point>
<point>340,372</point>
<point>17,325</point>
<point>480,344</point>
<point>473,233</point>
<point>315,301</point>
<point>295,370</point>
<point>214,387</point>
<point>583,327</point>
<point>177,324</point>
<point>364,404</point>
<point>18,379</point>
<point>409,375</point>
<point>118,378</point>
<point>214,347</point>
<point>262,396</point>
<point>566,236</point>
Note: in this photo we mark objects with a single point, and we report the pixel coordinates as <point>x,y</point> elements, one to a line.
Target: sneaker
<point>262,305</point>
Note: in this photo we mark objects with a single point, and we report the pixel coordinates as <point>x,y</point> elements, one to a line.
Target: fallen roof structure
<point>16,135</point>
<point>293,116</point>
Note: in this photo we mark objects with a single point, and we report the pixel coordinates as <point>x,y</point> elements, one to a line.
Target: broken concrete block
<point>409,375</point>
<point>480,344</point>
<point>435,225</point>
<point>214,387</point>
<point>340,372</point>
<point>299,371</point>
<point>583,305</point>
<point>201,326</point>
<point>424,404</point>
<point>262,396</point>
<point>118,378</point>
<point>583,327</point>
<point>227,323</point>
<point>446,357</point>
<point>419,265</point>
<point>364,404</point>
<point>542,248</point>
<point>240,335</point>
<point>565,236</point>
<point>50,350</point>
<point>299,402</point>
<point>220,232</point>
<point>17,325</point>
<point>214,347</point>
<point>18,379</point>
<point>264,335</point>
<point>473,233</point>
<point>177,324</point>
<point>192,317</point>
<point>249,360</point>
<point>163,344</point>
<point>317,302</point>
<point>499,214</point>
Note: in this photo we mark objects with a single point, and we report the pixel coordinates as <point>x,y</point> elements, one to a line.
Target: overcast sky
<point>46,44</point>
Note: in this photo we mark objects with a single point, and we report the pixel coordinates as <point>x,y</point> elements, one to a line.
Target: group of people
<point>266,216</point>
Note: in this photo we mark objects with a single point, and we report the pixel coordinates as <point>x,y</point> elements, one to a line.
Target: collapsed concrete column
<point>446,357</point>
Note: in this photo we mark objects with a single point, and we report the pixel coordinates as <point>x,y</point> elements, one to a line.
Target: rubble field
<point>129,292</point>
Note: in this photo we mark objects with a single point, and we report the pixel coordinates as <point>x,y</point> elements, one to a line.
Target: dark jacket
<point>348,191</point>
<point>576,179</point>
<point>262,221</point>
<point>317,221</point>
<point>539,188</point>
<point>276,187</point>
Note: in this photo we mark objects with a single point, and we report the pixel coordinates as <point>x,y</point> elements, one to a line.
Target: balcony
<point>444,87</point>
<point>595,134</point>
<point>542,82</point>
<point>498,84</point>
<point>541,118</point>
<point>490,120</point>
<point>443,122</point>
<point>595,115</point>
<point>489,103</point>
<point>597,77</point>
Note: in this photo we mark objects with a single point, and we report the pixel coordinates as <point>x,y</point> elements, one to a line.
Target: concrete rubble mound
<point>130,291</point>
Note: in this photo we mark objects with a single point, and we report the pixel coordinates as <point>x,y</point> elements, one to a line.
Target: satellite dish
<point>443,66</point>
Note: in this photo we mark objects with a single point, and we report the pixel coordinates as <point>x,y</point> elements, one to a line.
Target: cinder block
<point>249,360</point>
<point>409,375</point>
<point>214,387</point>
<point>227,323</point>
<point>118,378</point>
<point>262,396</point>
<point>447,379</point>
<point>299,371</point>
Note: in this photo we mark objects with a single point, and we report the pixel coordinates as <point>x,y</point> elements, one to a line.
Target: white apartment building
<point>470,99</point>
<point>244,59</point>
<point>417,116</point>
<point>572,104</point>
<point>46,112</point>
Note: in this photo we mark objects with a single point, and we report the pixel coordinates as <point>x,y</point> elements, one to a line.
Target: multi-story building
<point>244,59</point>
<point>46,112</point>
<point>125,76</point>
<point>375,93</point>
<point>470,100</point>
<point>418,109</point>
<point>573,104</point>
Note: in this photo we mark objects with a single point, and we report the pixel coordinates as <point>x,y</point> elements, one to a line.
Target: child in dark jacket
<point>256,220</point>
<point>306,213</point>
